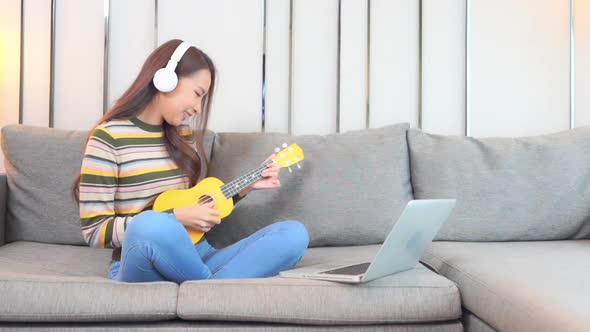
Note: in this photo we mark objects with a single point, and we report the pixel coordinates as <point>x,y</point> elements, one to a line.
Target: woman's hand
<point>270,176</point>
<point>199,217</point>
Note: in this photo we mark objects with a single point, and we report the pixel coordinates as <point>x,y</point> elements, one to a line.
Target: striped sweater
<point>125,167</point>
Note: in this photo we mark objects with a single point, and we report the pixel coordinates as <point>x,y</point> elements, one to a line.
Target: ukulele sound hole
<point>205,199</point>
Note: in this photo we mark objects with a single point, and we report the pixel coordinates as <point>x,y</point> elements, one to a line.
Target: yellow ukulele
<point>213,189</point>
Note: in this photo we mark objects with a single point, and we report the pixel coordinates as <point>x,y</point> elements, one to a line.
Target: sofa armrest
<point>3,197</point>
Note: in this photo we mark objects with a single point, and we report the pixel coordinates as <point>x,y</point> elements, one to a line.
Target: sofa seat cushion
<point>413,296</point>
<point>520,286</point>
<point>61,283</point>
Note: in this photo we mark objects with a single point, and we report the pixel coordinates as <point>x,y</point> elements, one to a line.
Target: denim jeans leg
<point>265,253</point>
<point>156,248</point>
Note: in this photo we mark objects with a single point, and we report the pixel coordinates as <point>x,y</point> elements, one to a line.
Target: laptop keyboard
<point>350,270</point>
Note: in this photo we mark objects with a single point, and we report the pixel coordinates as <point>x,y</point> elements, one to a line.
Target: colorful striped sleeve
<point>101,226</point>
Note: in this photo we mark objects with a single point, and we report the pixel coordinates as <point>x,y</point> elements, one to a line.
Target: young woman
<point>143,147</point>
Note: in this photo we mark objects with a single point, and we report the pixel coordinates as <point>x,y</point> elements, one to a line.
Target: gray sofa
<point>512,257</point>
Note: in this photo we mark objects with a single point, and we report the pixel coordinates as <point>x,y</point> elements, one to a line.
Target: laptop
<point>402,249</point>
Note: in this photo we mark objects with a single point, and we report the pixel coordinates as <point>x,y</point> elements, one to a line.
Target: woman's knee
<point>153,227</point>
<point>295,234</point>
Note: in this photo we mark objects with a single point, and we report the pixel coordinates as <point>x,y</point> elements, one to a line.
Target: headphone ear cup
<point>165,80</point>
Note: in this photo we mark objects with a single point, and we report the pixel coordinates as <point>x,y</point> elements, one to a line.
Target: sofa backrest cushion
<point>41,165</point>
<point>350,190</point>
<point>507,189</point>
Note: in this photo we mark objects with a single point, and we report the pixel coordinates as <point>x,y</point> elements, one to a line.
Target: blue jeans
<point>157,248</point>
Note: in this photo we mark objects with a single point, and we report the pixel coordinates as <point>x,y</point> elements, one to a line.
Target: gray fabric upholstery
<point>3,193</point>
<point>520,286</point>
<point>58,283</point>
<point>472,323</point>
<point>507,189</point>
<point>54,260</point>
<point>413,296</point>
<point>228,327</point>
<point>349,191</point>
<point>46,282</point>
<point>41,164</point>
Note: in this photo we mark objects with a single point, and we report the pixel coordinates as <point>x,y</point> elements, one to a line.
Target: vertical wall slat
<point>353,65</point>
<point>10,25</point>
<point>394,62</point>
<point>78,81</point>
<point>314,66</point>
<point>36,62</point>
<point>10,16</point>
<point>277,66</point>
<point>231,33</point>
<point>53,18</point>
<point>520,68</point>
<point>443,66</point>
<point>130,43</point>
<point>582,67</point>
<point>106,51</point>
<point>21,64</point>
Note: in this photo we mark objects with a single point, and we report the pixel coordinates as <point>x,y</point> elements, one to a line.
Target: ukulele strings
<point>225,193</point>
<point>208,198</point>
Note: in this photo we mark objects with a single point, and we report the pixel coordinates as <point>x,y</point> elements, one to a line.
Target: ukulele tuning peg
<point>290,170</point>
<point>298,166</point>
<point>277,149</point>
<point>284,145</point>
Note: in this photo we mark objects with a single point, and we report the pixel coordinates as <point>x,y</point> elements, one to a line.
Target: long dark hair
<point>142,91</point>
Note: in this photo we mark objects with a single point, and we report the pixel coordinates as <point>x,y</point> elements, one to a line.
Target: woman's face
<point>185,100</point>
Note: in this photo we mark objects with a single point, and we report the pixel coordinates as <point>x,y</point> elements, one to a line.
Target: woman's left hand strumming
<point>270,176</point>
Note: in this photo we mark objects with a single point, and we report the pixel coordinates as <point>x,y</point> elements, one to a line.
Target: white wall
<point>131,40</point>
<point>582,54</point>
<point>9,64</point>
<point>394,62</point>
<point>354,60</point>
<point>446,65</point>
<point>79,59</point>
<point>315,67</point>
<point>277,74</point>
<point>443,66</point>
<point>519,79</point>
<point>36,62</point>
<point>231,33</point>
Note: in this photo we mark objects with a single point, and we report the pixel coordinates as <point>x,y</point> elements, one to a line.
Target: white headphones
<point>165,79</point>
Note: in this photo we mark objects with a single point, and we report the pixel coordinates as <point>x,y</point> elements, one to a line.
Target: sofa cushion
<point>413,296</point>
<point>507,189</point>
<point>520,286</point>
<point>350,189</point>
<point>472,323</point>
<point>61,283</point>
<point>41,164</point>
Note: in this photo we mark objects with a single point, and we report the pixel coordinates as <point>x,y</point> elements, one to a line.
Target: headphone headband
<point>177,55</point>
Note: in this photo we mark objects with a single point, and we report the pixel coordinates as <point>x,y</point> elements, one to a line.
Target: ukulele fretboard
<point>241,183</point>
